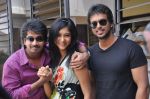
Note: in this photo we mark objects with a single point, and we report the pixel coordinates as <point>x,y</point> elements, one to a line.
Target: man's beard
<point>106,36</point>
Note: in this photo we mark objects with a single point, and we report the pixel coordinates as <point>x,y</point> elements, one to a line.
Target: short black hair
<point>100,8</point>
<point>36,26</point>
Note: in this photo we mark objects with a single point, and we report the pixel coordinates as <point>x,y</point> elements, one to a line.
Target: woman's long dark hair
<point>55,28</point>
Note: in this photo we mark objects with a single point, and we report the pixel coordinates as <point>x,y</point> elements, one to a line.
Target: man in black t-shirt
<point>119,66</point>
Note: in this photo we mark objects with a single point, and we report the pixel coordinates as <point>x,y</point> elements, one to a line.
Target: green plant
<point>3,57</point>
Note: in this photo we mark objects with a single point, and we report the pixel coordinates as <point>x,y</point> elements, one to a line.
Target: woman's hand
<point>45,73</point>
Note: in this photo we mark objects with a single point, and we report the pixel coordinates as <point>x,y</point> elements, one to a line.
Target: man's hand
<point>79,60</point>
<point>45,73</point>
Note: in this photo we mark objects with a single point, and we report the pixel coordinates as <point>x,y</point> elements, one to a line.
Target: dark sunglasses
<point>38,38</point>
<point>102,22</point>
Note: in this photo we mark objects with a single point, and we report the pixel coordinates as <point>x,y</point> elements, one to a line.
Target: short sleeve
<point>137,56</point>
<point>89,60</point>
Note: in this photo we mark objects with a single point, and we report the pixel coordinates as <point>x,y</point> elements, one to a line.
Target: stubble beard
<point>106,36</point>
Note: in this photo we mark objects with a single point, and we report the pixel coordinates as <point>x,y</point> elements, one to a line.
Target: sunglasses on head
<point>102,22</point>
<point>38,38</point>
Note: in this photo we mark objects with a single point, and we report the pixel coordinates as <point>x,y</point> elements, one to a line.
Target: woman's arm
<point>83,74</point>
<point>47,89</point>
<point>46,71</point>
<point>84,78</point>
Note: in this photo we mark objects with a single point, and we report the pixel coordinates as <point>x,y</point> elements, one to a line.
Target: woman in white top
<point>68,83</point>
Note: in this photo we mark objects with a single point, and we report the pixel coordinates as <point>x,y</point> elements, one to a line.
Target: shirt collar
<point>25,60</point>
<point>23,55</point>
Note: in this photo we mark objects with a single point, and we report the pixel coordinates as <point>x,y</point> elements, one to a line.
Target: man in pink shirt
<point>20,69</point>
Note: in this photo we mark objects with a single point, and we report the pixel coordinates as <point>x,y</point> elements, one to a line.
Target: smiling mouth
<point>62,44</point>
<point>99,32</point>
<point>35,48</point>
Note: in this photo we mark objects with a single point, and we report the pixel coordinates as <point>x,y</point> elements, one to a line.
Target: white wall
<point>20,12</point>
<point>21,7</point>
<point>80,7</point>
<point>18,6</point>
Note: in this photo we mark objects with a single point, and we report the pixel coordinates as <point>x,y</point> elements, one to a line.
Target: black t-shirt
<point>112,69</point>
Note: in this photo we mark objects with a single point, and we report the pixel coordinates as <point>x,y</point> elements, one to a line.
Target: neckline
<point>61,61</point>
<point>110,47</point>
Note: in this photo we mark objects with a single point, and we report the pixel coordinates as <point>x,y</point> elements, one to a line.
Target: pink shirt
<point>19,74</point>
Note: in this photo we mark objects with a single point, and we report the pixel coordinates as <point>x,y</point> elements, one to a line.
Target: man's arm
<point>40,82</point>
<point>12,83</point>
<point>45,75</point>
<point>79,59</point>
<point>140,76</point>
